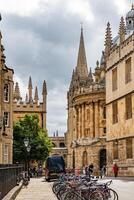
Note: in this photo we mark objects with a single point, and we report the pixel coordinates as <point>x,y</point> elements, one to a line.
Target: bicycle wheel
<point>96,195</point>
<point>73,196</point>
<point>112,195</point>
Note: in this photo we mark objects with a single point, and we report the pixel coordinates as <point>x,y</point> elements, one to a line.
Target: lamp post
<point>28,148</point>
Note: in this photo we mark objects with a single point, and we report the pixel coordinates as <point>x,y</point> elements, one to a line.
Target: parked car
<point>55,165</point>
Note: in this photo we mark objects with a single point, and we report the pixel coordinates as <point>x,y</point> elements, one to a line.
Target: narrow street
<point>38,189</point>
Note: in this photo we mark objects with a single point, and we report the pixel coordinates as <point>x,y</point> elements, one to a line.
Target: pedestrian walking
<point>103,171</point>
<point>90,170</point>
<point>115,170</point>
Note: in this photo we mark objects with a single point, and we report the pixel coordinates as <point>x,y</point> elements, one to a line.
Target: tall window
<point>104,112</point>
<point>5,153</point>
<point>84,159</point>
<point>115,149</point>
<point>128,105</point>
<point>115,111</point>
<point>88,115</point>
<point>128,70</point>
<point>114,79</point>
<point>6,118</point>
<point>129,148</point>
<point>6,92</point>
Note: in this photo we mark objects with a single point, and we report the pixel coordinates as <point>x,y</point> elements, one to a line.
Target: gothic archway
<point>84,161</point>
<point>102,157</point>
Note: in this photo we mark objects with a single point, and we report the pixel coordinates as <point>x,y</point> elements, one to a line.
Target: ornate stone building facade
<point>119,54</point>
<point>59,146</point>
<point>86,128</point>
<point>6,109</point>
<point>30,105</point>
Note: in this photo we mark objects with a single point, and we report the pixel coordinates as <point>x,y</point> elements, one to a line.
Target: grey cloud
<point>45,45</point>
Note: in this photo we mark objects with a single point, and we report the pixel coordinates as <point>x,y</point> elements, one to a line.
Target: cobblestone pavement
<point>37,189</point>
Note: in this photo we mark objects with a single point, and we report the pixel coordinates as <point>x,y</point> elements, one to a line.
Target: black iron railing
<point>8,177</point>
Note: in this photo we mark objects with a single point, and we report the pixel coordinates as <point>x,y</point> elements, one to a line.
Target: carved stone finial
<point>36,98</point>
<point>17,95</point>
<point>122,30</point>
<point>108,39</point>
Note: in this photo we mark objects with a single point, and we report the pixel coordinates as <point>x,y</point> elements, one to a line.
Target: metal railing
<point>8,177</point>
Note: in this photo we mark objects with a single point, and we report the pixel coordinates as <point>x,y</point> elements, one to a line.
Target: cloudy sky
<point>41,39</point>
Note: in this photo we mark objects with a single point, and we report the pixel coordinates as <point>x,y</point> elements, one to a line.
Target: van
<point>54,166</point>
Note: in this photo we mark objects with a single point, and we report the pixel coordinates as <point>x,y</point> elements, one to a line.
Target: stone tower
<point>30,105</point>
<point>86,105</point>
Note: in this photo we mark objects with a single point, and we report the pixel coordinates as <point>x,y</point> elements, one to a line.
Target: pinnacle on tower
<point>44,90</point>
<point>97,64</point>
<point>108,39</point>
<point>26,98</point>
<point>30,89</point>
<point>17,92</point>
<point>36,98</point>
<point>122,30</point>
<point>81,61</point>
<point>90,76</point>
<point>30,83</point>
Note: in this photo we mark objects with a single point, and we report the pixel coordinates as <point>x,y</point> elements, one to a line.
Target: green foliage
<point>28,127</point>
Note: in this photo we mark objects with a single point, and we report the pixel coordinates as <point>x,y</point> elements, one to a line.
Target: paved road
<point>37,189</point>
<point>124,188</point>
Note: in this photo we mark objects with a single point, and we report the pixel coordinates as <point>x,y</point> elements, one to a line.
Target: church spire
<point>81,61</point>
<point>122,30</point>
<point>26,98</point>
<point>30,89</point>
<point>17,92</point>
<point>36,98</point>
<point>108,39</point>
<point>90,76</point>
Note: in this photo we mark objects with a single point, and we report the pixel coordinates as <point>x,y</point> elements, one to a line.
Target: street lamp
<point>26,142</point>
<point>28,148</point>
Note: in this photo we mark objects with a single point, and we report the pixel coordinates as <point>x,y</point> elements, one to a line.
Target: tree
<point>28,127</point>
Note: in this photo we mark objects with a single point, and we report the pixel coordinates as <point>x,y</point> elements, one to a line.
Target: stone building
<point>86,126</point>
<point>6,109</point>
<point>30,105</point>
<point>59,146</point>
<point>119,54</point>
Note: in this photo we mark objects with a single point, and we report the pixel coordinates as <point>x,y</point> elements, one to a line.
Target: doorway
<point>102,157</point>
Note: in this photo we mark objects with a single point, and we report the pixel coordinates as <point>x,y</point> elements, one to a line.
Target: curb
<point>13,193</point>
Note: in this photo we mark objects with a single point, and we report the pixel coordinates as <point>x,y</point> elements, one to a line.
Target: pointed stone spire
<point>97,64</point>
<point>36,98</point>
<point>44,90</point>
<point>30,89</point>
<point>26,98</point>
<point>122,30</point>
<point>17,92</point>
<point>90,76</point>
<point>102,60</point>
<point>108,39</point>
<point>81,61</point>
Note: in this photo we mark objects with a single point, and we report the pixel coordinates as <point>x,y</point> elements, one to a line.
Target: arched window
<point>84,162</point>
<point>62,144</point>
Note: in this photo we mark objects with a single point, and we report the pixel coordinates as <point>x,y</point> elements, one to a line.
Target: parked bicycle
<point>82,188</point>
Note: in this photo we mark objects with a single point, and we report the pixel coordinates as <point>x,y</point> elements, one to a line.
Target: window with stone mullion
<point>128,71</point>
<point>128,105</point>
<point>129,148</point>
